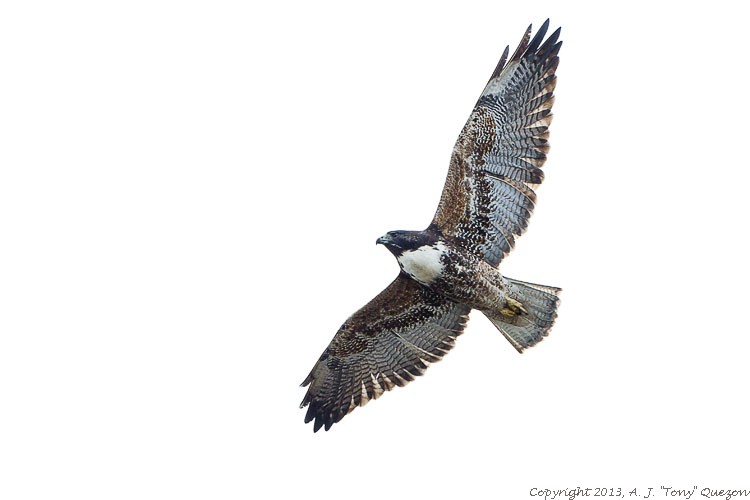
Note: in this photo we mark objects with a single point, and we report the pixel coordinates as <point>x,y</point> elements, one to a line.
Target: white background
<point>190,193</point>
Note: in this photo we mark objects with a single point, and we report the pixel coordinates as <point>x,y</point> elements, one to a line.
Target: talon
<point>512,308</point>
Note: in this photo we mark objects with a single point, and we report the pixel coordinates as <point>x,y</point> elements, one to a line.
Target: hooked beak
<point>383,240</point>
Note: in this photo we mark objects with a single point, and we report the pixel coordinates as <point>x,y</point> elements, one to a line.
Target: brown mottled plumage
<point>450,268</point>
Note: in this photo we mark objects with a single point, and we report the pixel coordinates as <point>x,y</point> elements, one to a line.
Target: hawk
<point>450,268</point>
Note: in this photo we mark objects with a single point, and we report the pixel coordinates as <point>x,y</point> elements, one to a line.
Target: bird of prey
<point>450,268</point>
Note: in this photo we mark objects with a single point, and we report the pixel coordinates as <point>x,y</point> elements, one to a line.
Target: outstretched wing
<point>387,343</point>
<point>496,163</point>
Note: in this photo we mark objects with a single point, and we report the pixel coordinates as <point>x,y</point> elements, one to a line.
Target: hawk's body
<point>450,268</point>
<point>455,273</point>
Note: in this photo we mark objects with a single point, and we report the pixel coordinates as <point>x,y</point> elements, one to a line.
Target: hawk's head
<point>400,241</point>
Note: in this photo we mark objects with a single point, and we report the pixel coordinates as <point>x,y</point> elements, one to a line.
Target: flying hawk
<point>450,268</point>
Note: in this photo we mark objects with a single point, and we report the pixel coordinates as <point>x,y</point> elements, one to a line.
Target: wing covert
<point>496,163</point>
<point>385,344</point>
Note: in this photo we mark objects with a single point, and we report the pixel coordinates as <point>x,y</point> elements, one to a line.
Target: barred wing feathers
<point>496,163</point>
<point>385,344</point>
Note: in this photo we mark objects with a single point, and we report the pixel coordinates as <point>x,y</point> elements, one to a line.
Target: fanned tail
<point>528,324</point>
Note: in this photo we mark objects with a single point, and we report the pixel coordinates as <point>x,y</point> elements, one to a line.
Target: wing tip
<point>537,40</point>
<point>321,419</point>
<point>551,46</point>
<point>522,45</point>
<point>501,63</point>
<point>530,46</point>
<point>537,44</point>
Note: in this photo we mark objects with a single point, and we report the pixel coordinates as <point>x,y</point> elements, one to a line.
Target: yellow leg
<point>512,308</point>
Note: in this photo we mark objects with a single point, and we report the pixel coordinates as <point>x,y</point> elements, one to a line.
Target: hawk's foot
<point>512,308</point>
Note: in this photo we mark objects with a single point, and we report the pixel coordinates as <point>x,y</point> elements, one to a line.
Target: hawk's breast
<point>424,264</point>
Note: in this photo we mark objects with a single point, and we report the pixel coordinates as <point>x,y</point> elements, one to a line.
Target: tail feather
<point>539,310</point>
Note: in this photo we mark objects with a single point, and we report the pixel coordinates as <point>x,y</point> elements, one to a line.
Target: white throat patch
<point>423,264</point>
